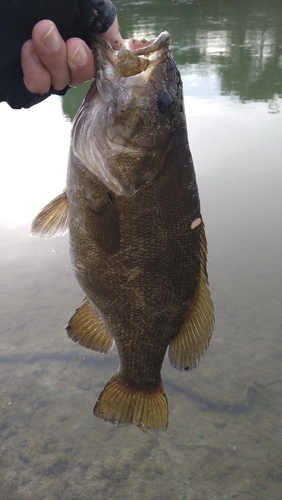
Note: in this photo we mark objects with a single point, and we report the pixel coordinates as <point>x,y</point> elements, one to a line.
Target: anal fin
<point>187,348</point>
<point>52,220</point>
<point>86,329</point>
<point>122,405</point>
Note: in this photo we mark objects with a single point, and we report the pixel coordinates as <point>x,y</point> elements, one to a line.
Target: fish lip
<point>151,45</point>
<point>148,45</point>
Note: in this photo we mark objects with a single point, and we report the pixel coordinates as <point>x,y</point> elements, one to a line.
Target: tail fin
<point>122,405</point>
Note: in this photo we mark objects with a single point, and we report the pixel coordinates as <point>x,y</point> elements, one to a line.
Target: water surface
<point>224,438</point>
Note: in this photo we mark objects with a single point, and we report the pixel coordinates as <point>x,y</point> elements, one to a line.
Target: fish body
<point>137,240</point>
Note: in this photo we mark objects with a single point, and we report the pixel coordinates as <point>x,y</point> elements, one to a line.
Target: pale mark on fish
<point>196,223</point>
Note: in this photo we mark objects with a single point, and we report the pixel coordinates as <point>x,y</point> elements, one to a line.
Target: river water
<point>224,439</point>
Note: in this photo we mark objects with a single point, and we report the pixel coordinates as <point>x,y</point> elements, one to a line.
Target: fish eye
<point>164,101</point>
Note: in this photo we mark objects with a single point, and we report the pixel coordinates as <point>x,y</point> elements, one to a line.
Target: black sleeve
<point>78,18</point>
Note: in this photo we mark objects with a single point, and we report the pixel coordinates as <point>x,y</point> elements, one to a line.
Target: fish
<point>136,234</point>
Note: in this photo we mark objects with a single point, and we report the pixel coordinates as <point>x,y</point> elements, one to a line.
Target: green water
<point>224,438</point>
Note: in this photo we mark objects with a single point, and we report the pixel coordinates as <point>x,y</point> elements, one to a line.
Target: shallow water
<point>224,437</point>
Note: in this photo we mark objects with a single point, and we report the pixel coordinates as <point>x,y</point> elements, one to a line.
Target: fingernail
<point>79,56</point>
<point>52,39</point>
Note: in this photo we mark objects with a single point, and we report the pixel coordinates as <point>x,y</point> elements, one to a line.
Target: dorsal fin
<point>188,347</point>
<point>86,329</point>
<point>52,220</point>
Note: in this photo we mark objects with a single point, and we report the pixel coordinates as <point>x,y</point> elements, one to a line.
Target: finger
<point>37,78</point>
<point>113,35</point>
<point>51,50</point>
<point>80,61</point>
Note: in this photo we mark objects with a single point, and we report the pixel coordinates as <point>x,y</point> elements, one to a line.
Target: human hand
<point>48,60</point>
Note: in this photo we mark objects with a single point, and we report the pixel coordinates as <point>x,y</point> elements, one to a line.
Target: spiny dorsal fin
<point>85,329</point>
<point>188,347</point>
<point>52,220</point>
<point>122,405</point>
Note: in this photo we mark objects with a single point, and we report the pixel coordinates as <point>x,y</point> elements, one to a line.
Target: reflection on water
<point>239,41</point>
<point>34,151</point>
<point>224,436</point>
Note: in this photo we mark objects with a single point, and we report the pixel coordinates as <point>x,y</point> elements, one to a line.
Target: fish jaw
<point>125,122</point>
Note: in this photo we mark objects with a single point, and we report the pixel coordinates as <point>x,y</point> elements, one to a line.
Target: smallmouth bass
<point>136,236</point>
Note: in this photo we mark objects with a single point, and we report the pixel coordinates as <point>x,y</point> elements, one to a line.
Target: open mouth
<point>141,54</point>
<point>136,57</point>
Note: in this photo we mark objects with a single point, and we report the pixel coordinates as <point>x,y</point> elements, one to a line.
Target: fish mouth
<point>141,54</point>
<point>137,57</point>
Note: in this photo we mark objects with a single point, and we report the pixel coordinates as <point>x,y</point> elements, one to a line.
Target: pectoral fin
<point>188,347</point>
<point>52,220</point>
<point>86,329</point>
<point>105,224</point>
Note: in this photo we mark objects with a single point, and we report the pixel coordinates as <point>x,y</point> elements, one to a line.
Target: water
<point>224,437</point>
